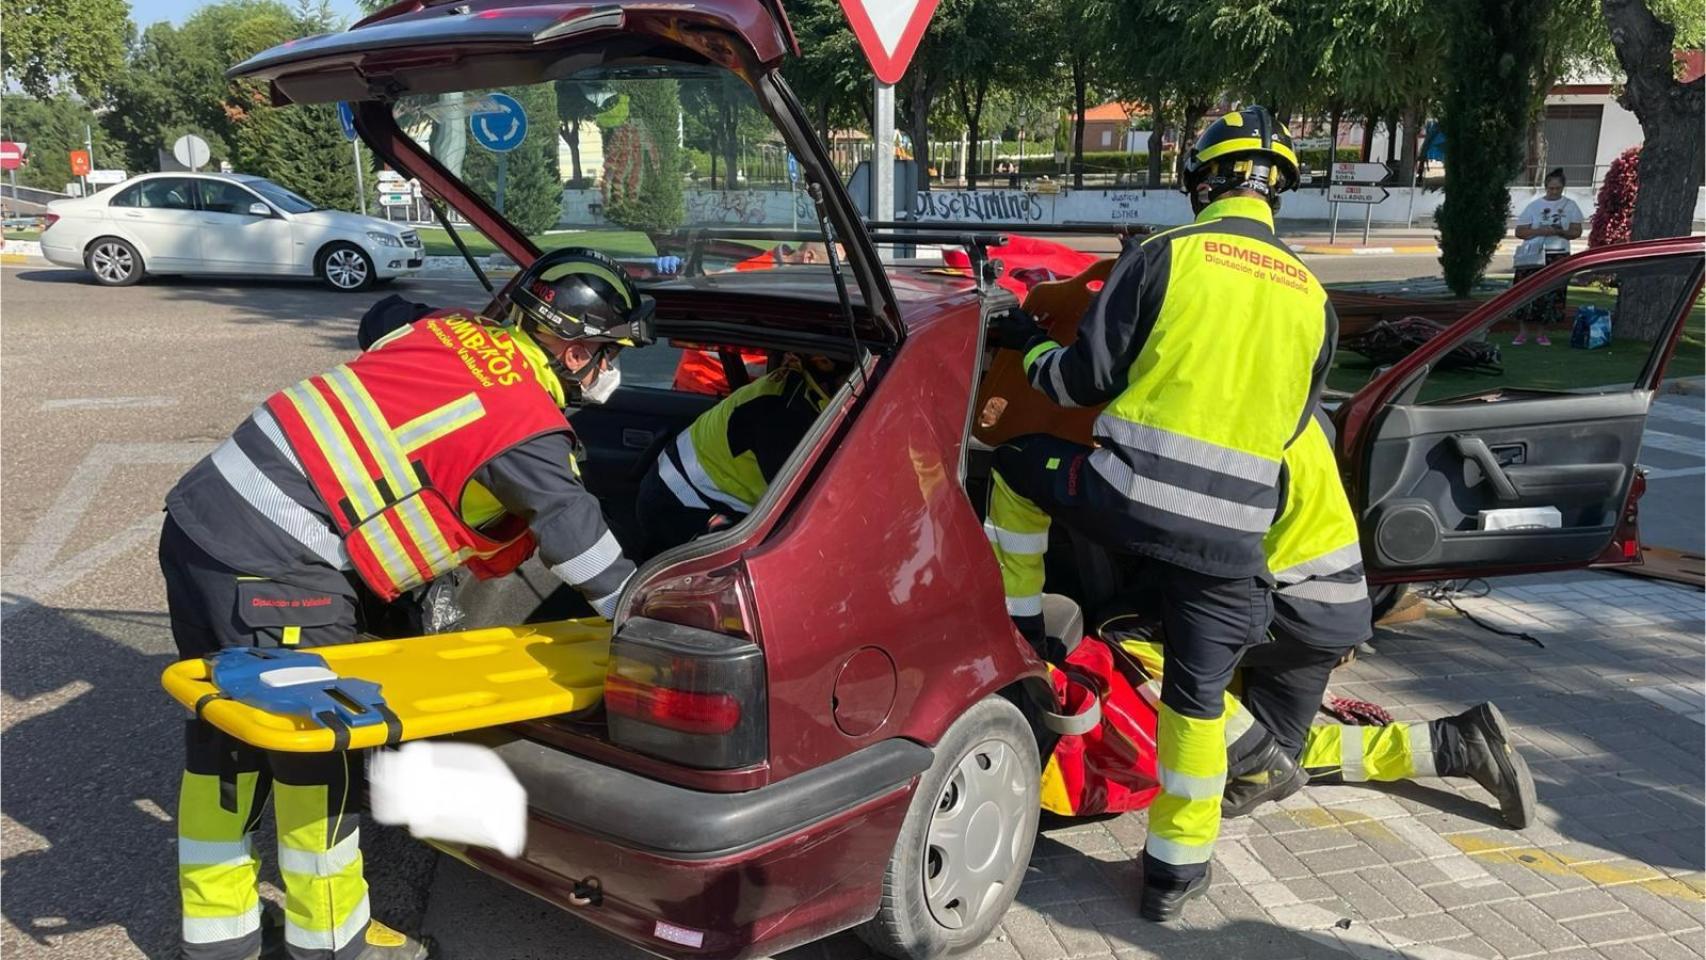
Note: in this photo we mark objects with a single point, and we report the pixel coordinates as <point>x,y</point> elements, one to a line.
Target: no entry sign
<point>889,32</point>
<point>11,155</point>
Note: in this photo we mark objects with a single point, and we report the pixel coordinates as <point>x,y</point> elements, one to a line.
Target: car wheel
<point>966,840</point>
<point>345,267</point>
<point>114,262</point>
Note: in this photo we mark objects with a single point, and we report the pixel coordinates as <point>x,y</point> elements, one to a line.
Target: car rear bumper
<point>63,256</point>
<point>687,873</point>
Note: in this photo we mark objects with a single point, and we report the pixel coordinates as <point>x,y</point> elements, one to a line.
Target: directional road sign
<point>1370,173</point>
<point>502,128</point>
<point>106,177</point>
<point>11,155</point>
<point>1356,193</point>
<point>389,199</point>
<point>346,117</point>
<point>889,32</point>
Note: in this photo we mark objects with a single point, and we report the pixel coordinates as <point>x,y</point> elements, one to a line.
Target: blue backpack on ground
<point>1592,328</point>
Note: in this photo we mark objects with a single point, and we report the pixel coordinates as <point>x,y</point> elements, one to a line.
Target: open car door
<point>1462,472</point>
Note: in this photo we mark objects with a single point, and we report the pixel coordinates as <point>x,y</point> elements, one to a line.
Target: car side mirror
<point>258,209</point>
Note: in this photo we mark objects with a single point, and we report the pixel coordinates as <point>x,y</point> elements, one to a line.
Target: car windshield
<point>280,197</point>
<point>673,170</point>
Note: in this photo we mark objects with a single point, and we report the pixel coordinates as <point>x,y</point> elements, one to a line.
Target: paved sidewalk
<point>1609,716</point>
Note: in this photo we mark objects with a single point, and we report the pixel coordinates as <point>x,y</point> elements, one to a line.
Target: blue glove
<point>667,265</point>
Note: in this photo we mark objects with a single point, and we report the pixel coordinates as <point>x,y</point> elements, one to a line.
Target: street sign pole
<point>1367,218</point>
<point>882,152</point>
<point>1333,223</point>
<point>503,175</point>
<point>360,188</point>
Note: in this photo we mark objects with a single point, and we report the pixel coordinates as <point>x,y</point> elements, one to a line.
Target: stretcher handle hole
<point>343,699</point>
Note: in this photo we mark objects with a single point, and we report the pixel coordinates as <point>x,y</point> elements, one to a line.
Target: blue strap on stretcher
<point>336,703</point>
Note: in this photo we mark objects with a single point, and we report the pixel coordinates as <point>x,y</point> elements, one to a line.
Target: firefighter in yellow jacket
<point>1208,344</point>
<point>1322,610</point>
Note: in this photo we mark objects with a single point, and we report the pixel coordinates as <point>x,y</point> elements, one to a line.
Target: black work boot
<point>1477,744</point>
<point>1266,773</point>
<point>1163,901</point>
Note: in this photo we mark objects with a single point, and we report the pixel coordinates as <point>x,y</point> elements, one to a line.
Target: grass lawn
<point>617,243</point>
<point>23,234</point>
<point>1557,367</point>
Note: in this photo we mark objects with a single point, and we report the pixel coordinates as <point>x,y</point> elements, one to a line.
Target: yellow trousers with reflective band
<point>1018,532</point>
<point>225,787</point>
<point>1357,754</point>
<point>1346,753</point>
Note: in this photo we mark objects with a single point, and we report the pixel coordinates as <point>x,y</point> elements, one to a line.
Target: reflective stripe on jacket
<point>1208,344</point>
<point>726,459</point>
<point>386,441</point>
<point>1314,551</point>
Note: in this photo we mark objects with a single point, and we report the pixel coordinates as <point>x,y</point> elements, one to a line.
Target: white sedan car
<point>222,223</point>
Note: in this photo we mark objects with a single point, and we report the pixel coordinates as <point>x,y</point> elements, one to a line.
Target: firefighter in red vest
<point>443,446</point>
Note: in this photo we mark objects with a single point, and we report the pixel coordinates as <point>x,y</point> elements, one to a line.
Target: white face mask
<point>603,385</point>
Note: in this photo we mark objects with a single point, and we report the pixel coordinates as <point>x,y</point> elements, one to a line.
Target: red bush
<point>1614,212</point>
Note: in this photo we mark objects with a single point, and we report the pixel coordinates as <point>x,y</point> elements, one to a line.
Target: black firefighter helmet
<point>580,294</point>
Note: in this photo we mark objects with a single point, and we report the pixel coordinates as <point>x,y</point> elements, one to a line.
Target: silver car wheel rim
<point>112,262</point>
<point>346,269</point>
<point>975,835</point>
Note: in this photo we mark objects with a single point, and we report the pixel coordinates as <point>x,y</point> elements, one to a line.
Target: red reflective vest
<point>391,439</point>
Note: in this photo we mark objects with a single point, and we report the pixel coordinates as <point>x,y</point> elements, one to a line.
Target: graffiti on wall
<point>746,207</point>
<point>1012,206</point>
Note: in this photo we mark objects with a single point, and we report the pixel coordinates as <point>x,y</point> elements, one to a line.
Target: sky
<point>145,12</point>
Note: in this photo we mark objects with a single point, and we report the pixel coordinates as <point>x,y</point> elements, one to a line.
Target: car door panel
<point>1572,454</point>
<point>159,217</point>
<point>237,241</point>
<point>1424,475</point>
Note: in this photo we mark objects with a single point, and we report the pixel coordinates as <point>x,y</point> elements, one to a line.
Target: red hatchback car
<point>811,719</point>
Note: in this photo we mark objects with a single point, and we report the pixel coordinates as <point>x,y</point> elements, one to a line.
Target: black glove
<point>1014,329</point>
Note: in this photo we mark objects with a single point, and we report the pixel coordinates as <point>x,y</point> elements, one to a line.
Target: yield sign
<point>889,32</point>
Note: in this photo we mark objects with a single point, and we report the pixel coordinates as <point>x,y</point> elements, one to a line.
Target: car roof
<point>206,174</point>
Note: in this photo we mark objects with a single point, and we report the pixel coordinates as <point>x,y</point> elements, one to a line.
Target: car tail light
<point>48,220</point>
<point>686,682</point>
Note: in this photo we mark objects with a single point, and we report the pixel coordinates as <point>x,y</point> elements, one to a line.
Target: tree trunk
<point>1672,159</point>
<point>1391,138</point>
<point>923,95</point>
<point>1412,121</point>
<point>1194,112</point>
<point>572,136</point>
<point>1080,94</point>
<point>1157,123</point>
<point>823,119</point>
<point>1368,123</point>
<point>730,141</point>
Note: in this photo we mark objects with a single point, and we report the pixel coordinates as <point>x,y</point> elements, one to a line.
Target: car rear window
<point>166,193</point>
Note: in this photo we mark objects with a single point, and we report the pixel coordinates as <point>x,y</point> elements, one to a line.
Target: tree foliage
<point>533,182</point>
<point>174,82</point>
<point>54,46</point>
<point>1492,57</point>
<point>642,159</point>
<point>52,129</point>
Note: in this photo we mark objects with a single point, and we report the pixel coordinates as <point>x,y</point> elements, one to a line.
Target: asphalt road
<point>109,395</point>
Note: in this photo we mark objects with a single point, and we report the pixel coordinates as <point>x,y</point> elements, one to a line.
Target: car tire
<point>1386,597</point>
<point>345,267</point>
<point>978,802</point>
<point>113,262</point>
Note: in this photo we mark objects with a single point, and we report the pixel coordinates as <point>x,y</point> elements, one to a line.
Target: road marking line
<point>1599,874</point>
<point>1672,443</point>
<point>108,403</point>
<point>1653,474</point>
<point>36,571</point>
<point>1678,413</point>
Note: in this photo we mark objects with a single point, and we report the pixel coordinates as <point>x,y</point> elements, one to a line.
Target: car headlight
<point>385,239</point>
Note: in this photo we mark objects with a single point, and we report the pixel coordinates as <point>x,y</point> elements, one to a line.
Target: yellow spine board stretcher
<point>439,684</point>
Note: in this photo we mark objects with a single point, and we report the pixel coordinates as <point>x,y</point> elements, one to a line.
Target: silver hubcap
<point>975,834</point>
<point>346,268</point>
<point>112,262</point>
